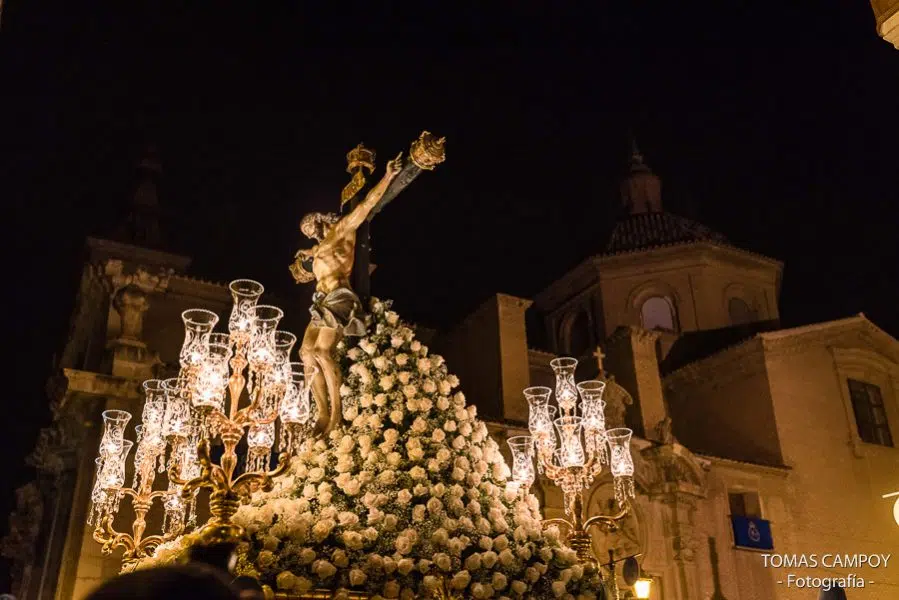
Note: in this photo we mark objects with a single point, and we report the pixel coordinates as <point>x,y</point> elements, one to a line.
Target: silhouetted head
<point>191,582</point>
<point>316,225</point>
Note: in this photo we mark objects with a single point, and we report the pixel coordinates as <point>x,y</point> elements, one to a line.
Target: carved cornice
<point>668,252</point>
<point>101,250</point>
<point>72,382</point>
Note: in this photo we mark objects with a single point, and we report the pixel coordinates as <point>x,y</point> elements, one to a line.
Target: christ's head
<point>317,225</point>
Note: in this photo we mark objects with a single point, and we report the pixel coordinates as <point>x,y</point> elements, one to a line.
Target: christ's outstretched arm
<point>357,216</point>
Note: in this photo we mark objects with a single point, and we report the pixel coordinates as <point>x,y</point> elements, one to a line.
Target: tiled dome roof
<point>651,229</point>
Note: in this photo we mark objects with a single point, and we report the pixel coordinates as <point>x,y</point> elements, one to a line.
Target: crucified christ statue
<point>336,309</point>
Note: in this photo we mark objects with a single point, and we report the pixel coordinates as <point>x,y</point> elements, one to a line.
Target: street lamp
<point>642,587</point>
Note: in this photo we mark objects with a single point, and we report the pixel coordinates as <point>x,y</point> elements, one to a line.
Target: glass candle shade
<point>522,448</point>
<point>114,423</point>
<point>593,411</point>
<point>198,324</point>
<point>566,392</point>
<point>245,293</point>
<point>538,399</point>
<point>112,468</point>
<point>284,342</point>
<point>211,381</point>
<point>262,352</point>
<point>153,415</point>
<point>295,407</point>
<point>571,451</point>
<point>176,422</point>
<point>622,464</point>
<point>592,404</point>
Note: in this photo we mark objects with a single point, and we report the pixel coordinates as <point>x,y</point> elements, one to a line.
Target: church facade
<point>749,439</point>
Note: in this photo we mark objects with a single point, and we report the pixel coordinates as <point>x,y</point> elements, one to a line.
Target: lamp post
<point>231,386</point>
<point>572,445</point>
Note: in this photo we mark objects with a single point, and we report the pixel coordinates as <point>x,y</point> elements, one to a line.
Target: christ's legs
<point>314,377</point>
<point>324,352</point>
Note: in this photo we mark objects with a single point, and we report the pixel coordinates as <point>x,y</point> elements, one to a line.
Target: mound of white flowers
<point>411,491</point>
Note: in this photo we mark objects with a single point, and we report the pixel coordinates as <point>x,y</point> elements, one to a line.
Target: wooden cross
<point>599,356</point>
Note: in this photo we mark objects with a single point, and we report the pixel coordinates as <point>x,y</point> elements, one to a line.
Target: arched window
<point>578,337</point>
<point>658,313</point>
<point>740,312</point>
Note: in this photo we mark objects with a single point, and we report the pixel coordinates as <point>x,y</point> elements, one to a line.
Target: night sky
<point>777,126</point>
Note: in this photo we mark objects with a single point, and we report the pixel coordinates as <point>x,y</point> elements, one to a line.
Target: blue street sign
<point>751,532</point>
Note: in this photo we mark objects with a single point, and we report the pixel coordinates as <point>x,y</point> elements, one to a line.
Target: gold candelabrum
<point>572,445</point>
<point>109,488</point>
<point>231,387</point>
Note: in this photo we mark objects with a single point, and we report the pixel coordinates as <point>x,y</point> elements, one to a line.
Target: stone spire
<point>641,190</point>
<point>141,226</point>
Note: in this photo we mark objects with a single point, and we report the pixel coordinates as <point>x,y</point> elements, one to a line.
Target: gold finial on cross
<point>599,354</point>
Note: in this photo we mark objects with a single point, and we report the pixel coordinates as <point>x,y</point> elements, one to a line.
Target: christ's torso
<point>332,263</point>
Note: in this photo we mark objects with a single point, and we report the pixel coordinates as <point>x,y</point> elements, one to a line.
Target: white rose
<point>443,403</point>
<point>322,529</point>
<point>519,587</point>
<point>403,497</point>
<point>380,363</point>
<point>424,365</point>
<point>401,359</point>
<point>438,435</point>
<point>307,555</point>
<point>429,386</point>
<point>418,513</point>
<point>339,558</point>
<point>357,577</point>
<point>415,346</point>
<point>352,540</point>
<point>391,589</point>
<point>324,569</point>
<point>409,391</point>
<point>417,472</point>
<point>404,566</point>
<point>435,506</point>
<point>396,417</point>
<point>558,588</point>
<point>391,317</point>
<point>386,383</point>
<point>285,580</point>
<point>489,559</point>
<point>265,559</point>
<point>460,580</point>
<point>403,545</point>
